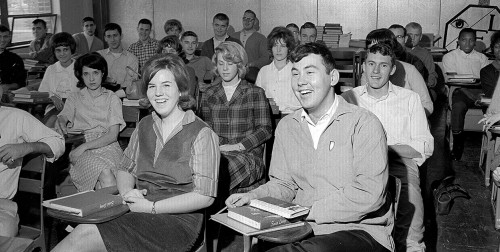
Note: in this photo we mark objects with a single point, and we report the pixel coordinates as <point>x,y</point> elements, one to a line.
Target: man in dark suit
<point>220,24</point>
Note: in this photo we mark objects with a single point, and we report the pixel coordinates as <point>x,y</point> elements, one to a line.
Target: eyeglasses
<point>248,19</point>
<point>400,36</point>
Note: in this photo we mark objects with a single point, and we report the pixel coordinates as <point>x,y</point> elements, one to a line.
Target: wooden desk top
<point>99,217</point>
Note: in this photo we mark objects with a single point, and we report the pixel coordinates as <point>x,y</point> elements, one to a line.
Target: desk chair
<point>131,116</point>
<point>394,188</point>
<point>345,63</point>
<point>31,181</point>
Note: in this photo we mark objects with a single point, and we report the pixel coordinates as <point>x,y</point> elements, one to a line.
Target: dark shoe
<point>458,146</point>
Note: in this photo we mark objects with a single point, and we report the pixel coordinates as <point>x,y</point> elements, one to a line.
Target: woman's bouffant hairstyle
<point>91,60</point>
<point>234,53</point>
<point>63,39</point>
<point>280,33</point>
<point>176,66</point>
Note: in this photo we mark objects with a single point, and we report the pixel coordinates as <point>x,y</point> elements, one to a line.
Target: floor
<point>468,226</point>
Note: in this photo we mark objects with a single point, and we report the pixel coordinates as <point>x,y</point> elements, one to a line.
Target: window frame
<point>4,19</point>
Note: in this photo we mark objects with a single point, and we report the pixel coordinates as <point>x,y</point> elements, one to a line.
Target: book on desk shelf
<point>84,203</point>
<point>280,207</point>
<point>258,218</point>
<point>244,229</point>
<point>130,103</point>
<point>462,78</point>
<point>32,100</point>
<point>485,100</point>
<point>24,93</point>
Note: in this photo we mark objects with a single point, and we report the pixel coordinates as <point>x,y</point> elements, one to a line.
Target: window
<point>19,15</point>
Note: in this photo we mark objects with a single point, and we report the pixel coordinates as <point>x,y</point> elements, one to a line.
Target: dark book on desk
<point>256,218</point>
<point>280,207</point>
<point>84,203</point>
<point>32,100</point>
<point>30,94</point>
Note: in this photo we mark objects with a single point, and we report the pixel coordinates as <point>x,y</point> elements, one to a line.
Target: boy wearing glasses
<point>255,44</point>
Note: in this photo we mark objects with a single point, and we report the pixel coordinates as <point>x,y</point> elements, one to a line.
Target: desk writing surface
<point>14,243</point>
<point>247,230</point>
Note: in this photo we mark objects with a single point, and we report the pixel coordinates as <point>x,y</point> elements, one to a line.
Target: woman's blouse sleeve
<point>205,159</point>
<point>116,113</point>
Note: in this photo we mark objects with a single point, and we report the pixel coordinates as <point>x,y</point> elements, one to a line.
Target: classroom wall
<point>357,17</point>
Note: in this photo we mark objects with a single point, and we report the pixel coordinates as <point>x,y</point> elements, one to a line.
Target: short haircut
<point>189,34</point>
<point>145,21</point>
<point>176,66</point>
<point>251,12</point>
<point>292,25</point>
<point>63,39</point>
<point>414,25</point>
<point>467,30</point>
<point>234,53</point>
<point>221,17</point>
<point>280,33</point>
<point>4,28</point>
<point>304,50</point>
<point>381,35</point>
<point>494,39</point>
<point>398,26</point>
<point>91,60</point>
<point>40,21</point>
<point>111,27</point>
<point>87,19</point>
<point>170,41</point>
<point>171,24</point>
<point>383,49</point>
<point>308,25</point>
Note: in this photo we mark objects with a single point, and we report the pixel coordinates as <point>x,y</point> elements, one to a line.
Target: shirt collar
<point>85,92</point>
<point>188,118</point>
<point>363,91</point>
<point>275,69</point>
<point>108,51</point>
<point>60,68</point>
<point>225,37</point>
<point>327,116</point>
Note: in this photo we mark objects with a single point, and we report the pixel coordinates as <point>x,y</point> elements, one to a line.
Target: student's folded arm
<point>42,137</point>
<point>421,138</point>
<point>366,192</point>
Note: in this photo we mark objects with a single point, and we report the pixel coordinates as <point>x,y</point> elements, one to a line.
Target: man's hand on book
<point>139,205</point>
<point>240,199</point>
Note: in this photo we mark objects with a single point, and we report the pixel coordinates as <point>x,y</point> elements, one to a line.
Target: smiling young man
<point>220,24</point>
<point>39,48</point>
<point>202,65</point>
<point>86,41</point>
<point>118,59</point>
<point>332,157</point>
<point>408,137</point>
<point>12,73</point>
<point>308,33</point>
<point>255,44</point>
<point>146,46</point>
<point>463,60</point>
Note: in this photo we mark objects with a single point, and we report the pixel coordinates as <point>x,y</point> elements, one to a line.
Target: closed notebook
<point>255,217</point>
<point>84,203</point>
<point>280,207</point>
<point>30,94</point>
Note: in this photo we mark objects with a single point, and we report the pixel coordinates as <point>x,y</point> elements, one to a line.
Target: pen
<point>222,210</point>
<point>135,72</point>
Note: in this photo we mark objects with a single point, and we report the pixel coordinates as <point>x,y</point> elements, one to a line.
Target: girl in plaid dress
<point>97,113</point>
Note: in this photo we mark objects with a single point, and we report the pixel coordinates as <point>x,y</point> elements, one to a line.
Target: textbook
<point>32,100</point>
<point>223,219</point>
<point>280,207</point>
<point>84,203</point>
<point>29,94</point>
<point>256,218</point>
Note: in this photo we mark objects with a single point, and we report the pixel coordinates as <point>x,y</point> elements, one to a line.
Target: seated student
<point>489,74</point>
<point>170,149</point>
<point>86,41</point>
<point>171,44</point>
<point>463,60</point>
<point>173,27</point>
<point>492,116</point>
<point>119,61</point>
<point>308,33</point>
<point>203,66</point>
<point>145,48</point>
<point>239,113</point>
<point>414,34</point>
<point>255,44</point>
<point>39,48</point>
<point>97,113</point>
<point>220,24</point>
<point>295,31</point>
<point>20,135</point>
<point>332,157</point>
<point>276,77</point>
<point>406,75</point>
<point>408,137</point>
<point>59,79</point>
<point>12,73</point>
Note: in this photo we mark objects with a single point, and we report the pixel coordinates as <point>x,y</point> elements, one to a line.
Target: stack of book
<point>30,96</point>
<point>319,32</point>
<point>269,212</point>
<point>461,78</point>
<point>331,35</point>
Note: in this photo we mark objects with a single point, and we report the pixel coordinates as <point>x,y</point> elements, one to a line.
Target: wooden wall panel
<point>424,12</point>
<point>280,13</point>
<point>356,17</point>
<point>191,13</point>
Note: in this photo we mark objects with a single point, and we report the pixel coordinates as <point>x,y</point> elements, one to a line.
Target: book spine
<point>97,207</point>
<point>244,220</point>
